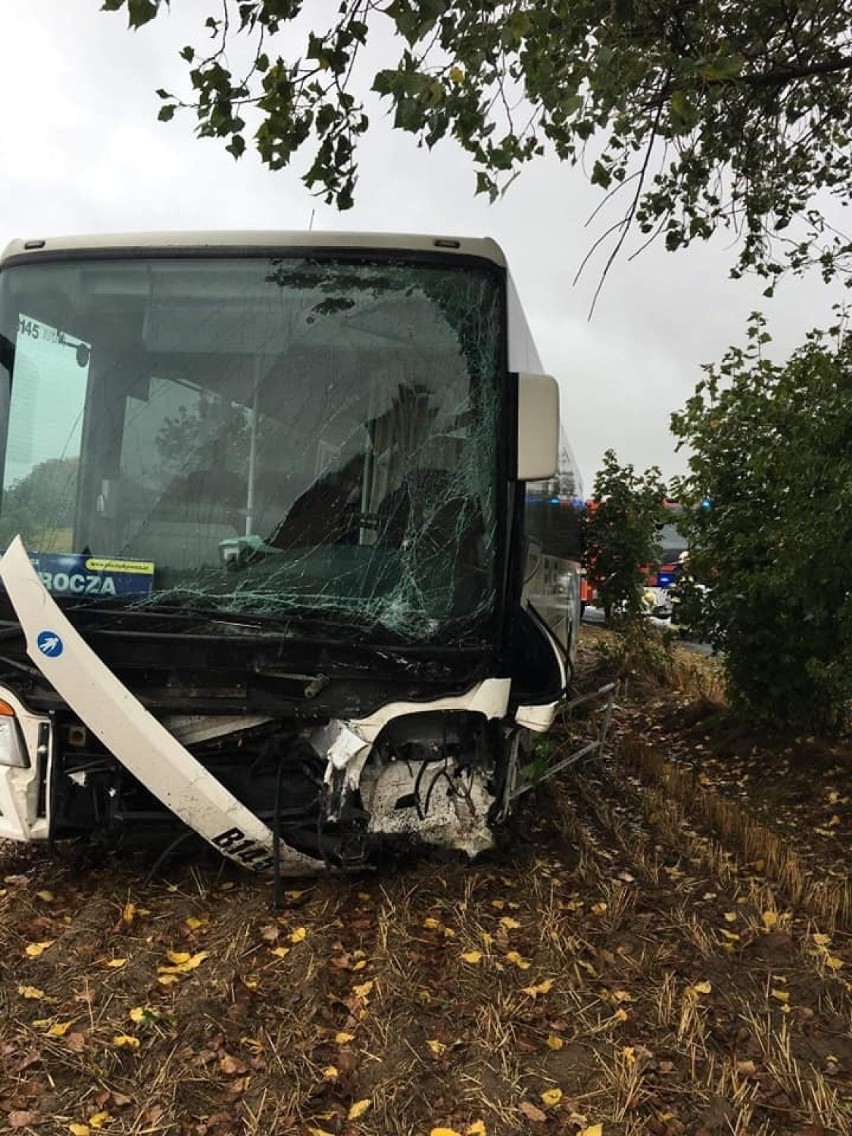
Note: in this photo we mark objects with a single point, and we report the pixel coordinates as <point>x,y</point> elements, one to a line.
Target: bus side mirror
<point>538,427</point>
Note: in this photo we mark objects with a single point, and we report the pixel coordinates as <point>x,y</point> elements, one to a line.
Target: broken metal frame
<point>607,692</point>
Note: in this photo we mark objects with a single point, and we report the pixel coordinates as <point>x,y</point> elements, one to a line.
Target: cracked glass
<point>306,437</point>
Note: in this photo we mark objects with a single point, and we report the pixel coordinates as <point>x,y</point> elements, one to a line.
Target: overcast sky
<point>83,152</point>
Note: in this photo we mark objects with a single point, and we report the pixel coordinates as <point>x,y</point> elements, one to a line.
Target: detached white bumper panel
<point>19,788</point>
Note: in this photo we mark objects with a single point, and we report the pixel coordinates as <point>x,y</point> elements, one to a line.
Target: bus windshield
<point>256,436</point>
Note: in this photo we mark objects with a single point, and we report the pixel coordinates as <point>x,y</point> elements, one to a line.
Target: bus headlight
<point>12,749</point>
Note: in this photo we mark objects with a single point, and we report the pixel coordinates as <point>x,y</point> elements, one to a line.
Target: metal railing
<point>606,695</point>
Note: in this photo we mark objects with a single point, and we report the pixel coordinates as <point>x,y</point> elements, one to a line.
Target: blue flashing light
<point>705,503</point>
<point>554,500</point>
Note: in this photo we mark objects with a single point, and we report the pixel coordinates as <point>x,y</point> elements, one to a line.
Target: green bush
<point>622,535</point>
<point>772,450</point>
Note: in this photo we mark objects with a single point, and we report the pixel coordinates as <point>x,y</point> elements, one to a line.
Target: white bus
<point>266,574</point>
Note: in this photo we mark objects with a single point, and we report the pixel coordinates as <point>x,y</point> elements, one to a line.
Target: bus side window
<point>555,523</point>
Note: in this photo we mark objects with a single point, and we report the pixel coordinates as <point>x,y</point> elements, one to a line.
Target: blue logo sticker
<point>49,643</point>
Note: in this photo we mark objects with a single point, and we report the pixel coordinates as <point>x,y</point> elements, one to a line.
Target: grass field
<point>661,945</point>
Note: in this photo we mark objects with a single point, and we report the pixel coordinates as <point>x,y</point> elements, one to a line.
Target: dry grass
<point>680,787</point>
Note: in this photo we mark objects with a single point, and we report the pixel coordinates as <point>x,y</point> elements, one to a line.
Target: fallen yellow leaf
<point>472,956</point>
<point>343,1038</point>
<point>598,908</point>
<point>834,963</point>
<point>363,989</point>
<point>30,992</point>
<point>99,1119</point>
<point>431,924</point>
<point>36,950</point>
<point>821,940</point>
<point>553,1042</point>
<point>125,1041</point>
<point>193,923</point>
<point>280,952</point>
<point>780,995</point>
<point>46,895</point>
<point>128,913</point>
<point>592,1130</point>
<point>543,987</point>
<point>142,1014</point>
<point>116,964</point>
<point>769,919</point>
<point>184,962</point>
<point>319,1132</point>
<point>330,1073</point>
<point>298,935</point>
<point>437,1047</point>
<point>476,1129</point>
<point>518,960</point>
<point>498,903</point>
<point>79,1129</point>
<point>358,1108</point>
<point>166,979</point>
<point>551,1097</point>
<point>444,1132</point>
<point>509,923</point>
<point>699,988</point>
<point>731,916</point>
<point>59,1029</point>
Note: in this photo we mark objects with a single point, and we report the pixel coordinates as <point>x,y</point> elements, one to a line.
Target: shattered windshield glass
<point>308,437</point>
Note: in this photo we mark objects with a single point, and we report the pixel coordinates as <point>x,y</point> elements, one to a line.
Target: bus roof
<point>248,242</point>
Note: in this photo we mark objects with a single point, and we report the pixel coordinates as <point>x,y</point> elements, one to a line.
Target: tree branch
<point>631,213</point>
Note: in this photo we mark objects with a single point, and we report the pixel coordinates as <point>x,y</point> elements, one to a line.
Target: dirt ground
<point>661,946</point>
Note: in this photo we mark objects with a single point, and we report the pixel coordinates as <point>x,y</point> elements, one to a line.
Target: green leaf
<point>141,11</point>
<point>236,146</point>
<point>723,67</point>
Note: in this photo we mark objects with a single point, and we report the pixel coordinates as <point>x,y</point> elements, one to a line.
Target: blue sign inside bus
<point>76,574</point>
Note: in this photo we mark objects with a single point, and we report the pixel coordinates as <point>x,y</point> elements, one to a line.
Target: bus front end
<point>256,544</point>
